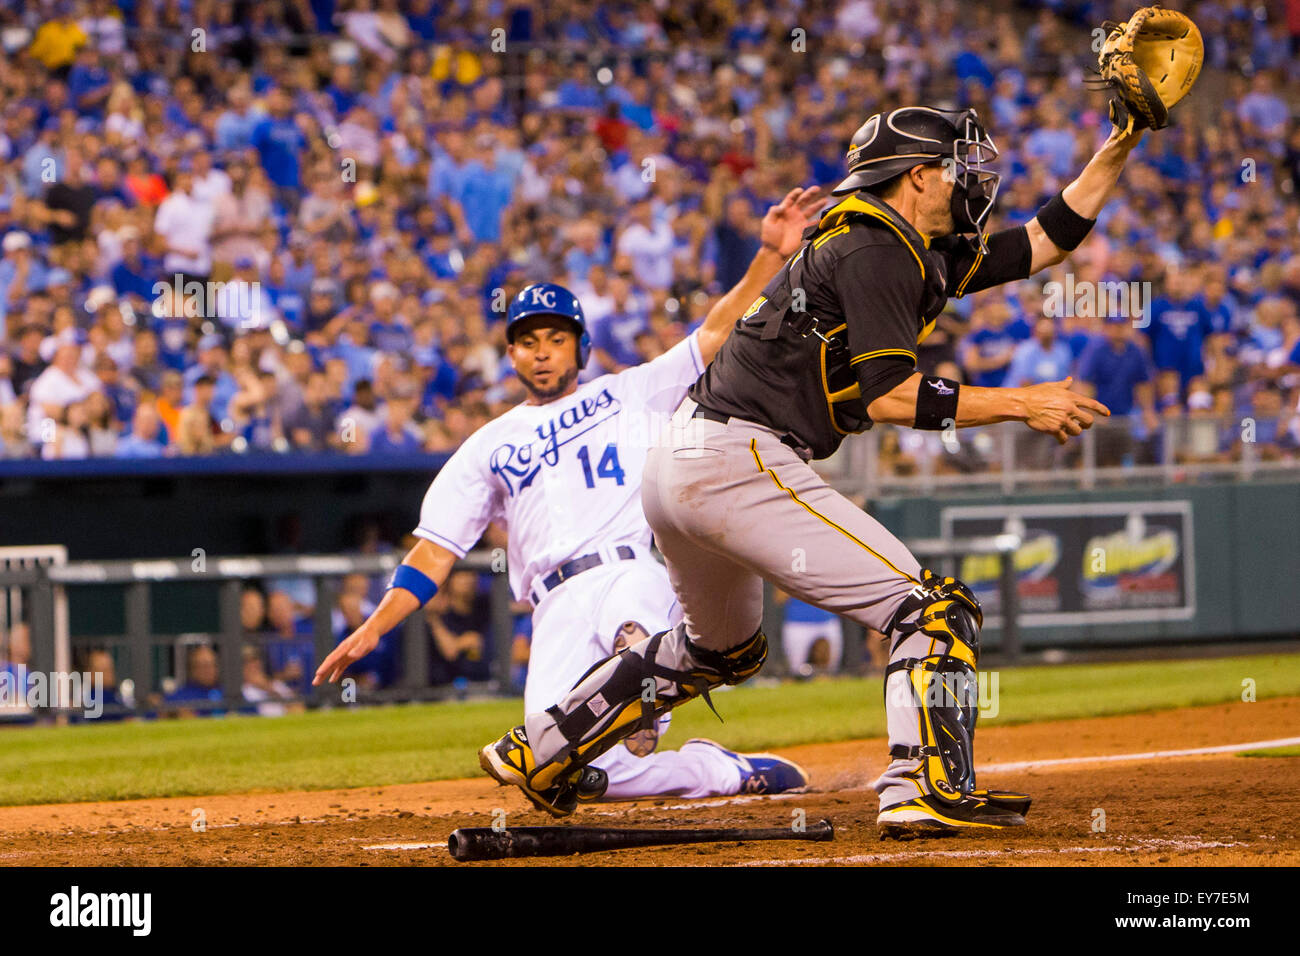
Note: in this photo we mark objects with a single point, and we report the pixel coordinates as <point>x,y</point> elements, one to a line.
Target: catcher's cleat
<point>925,816</point>
<point>509,761</point>
<point>1005,799</point>
<point>760,773</point>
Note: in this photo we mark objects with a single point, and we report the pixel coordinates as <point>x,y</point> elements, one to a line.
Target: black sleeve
<point>879,288</point>
<point>880,376</point>
<point>969,271</point>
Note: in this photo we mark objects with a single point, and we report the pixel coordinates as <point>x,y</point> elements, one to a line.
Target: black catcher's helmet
<point>891,143</point>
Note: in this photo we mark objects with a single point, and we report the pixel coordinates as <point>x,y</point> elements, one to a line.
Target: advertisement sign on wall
<point>1084,563</point>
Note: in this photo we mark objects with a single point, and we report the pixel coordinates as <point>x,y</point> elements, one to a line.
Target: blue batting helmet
<point>547,298</point>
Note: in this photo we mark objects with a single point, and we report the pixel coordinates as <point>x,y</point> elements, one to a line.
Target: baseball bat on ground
<point>485,843</point>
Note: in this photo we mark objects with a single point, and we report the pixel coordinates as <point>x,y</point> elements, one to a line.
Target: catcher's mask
<point>888,144</point>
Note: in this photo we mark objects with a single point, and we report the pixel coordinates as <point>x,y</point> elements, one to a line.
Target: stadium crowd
<point>291,227</point>
<point>357,187</point>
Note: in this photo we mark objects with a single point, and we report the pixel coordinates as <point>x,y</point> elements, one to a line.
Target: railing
<point>229,576</point>
<point>42,584</point>
<point>1010,457</point>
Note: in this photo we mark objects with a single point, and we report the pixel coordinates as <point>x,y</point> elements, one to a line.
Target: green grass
<point>400,744</point>
<point>1275,752</point>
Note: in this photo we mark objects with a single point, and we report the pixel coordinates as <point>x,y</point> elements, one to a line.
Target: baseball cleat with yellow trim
<point>509,761</point>
<point>1005,799</point>
<point>928,816</point>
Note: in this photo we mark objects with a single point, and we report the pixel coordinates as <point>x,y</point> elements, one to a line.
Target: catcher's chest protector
<point>789,308</point>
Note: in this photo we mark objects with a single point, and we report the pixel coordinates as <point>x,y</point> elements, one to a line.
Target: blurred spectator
<point>1179,324</point>
<point>361,419</point>
<point>202,683</point>
<point>1044,358</point>
<point>26,362</point>
<point>460,621</point>
<point>1116,371</point>
<point>813,639</point>
<point>13,436</point>
<point>273,698</point>
<point>143,441</point>
<point>241,217</point>
<point>379,668</point>
<point>15,656</point>
<point>311,426</point>
<point>649,244</point>
<point>101,667</point>
<point>15,651</point>
<point>987,350</point>
<point>252,610</point>
<point>63,383</point>
<point>69,201</point>
<point>21,273</point>
<point>185,224</point>
<point>69,438</point>
<point>101,426</point>
<point>198,432</point>
<point>290,651</point>
<point>520,646</point>
<point>398,432</point>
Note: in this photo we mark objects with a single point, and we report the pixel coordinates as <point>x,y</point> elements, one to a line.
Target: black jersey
<point>839,325</point>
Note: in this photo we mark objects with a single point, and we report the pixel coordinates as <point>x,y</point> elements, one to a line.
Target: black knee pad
<point>945,609</point>
<point>735,664</point>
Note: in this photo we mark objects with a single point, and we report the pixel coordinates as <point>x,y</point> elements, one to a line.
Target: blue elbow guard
<point>413,580</point>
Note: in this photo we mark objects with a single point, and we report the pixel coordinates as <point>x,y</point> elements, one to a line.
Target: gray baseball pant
<point>731,504</point>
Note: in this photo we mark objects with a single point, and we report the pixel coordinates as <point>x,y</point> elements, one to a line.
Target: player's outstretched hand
<point>360,643</point>
<point>1118,139</point>
<point>1052,408</point>
<point>782,228</point>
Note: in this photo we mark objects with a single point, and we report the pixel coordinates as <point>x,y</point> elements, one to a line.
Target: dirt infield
<point>1203,810</point>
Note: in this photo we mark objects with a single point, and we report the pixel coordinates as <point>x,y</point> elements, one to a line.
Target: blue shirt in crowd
<point>1177,332</point>
<point>1032,363</point>
<point>617,333</point>
<point>1113,374</point>
<point>280,143</point>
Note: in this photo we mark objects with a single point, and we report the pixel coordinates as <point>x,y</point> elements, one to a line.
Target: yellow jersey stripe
<point>853,204</point>
<point>902,353</point>
<point>827,237</point>
<point>961,286</point>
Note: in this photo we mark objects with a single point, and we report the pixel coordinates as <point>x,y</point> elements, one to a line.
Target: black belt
<point>571,569</point>
<point>710,415</point>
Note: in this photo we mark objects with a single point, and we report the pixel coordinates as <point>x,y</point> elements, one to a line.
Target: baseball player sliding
<point>563,473</point>
<point>826,350</point>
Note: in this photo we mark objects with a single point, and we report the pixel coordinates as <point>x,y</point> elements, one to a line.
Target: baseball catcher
<point>828,349</point>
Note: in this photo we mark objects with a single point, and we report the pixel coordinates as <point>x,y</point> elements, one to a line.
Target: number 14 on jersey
<point>607,467</point>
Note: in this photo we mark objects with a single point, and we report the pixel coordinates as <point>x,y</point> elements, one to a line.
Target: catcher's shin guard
<point>935,655</point>
<point>936,646</point>
<point>626,692</point>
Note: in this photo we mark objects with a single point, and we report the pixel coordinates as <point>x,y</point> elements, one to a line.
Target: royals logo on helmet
<point>543,296</point>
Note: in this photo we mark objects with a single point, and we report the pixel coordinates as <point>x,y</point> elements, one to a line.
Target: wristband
<point>1065,227</point>
<point>415,581</point>
<point>936,403</point>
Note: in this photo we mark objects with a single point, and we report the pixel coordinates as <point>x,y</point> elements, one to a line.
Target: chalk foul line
<point>1150,755</point>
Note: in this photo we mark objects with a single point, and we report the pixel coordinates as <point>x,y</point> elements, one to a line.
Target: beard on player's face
<point>559,385</point>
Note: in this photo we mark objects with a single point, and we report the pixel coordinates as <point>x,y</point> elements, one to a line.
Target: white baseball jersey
<point>564,477</point>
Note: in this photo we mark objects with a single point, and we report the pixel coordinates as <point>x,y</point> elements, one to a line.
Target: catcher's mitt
<point>1151,62</point>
